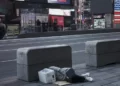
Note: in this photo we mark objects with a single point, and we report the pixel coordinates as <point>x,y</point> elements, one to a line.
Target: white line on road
<point>74,52</point>
<point>80,51</point>
<point>40,42</point>
<point>8,61</point>
<point>7,50</point>
<point>8,80</point>
<point>44,41</point>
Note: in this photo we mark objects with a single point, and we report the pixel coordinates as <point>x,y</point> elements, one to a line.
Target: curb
<point>48,34</point>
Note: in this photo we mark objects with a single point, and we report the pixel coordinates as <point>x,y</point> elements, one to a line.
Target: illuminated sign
<point>99,23</point>
<point>60,12</point>
<point>59,1</point>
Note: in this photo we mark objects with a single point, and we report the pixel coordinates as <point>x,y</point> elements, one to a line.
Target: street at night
<point>54,42</point>
<point>77,42</point>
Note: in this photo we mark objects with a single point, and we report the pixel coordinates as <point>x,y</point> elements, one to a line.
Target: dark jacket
<point>67,74</point>
<point>2,30</point>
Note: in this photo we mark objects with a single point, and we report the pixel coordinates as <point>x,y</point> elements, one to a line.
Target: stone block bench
<point>102,52</point>
<point>30,60</point>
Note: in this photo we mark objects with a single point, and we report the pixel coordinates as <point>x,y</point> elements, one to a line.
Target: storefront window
<point>30,16</point>
<point>27,19</point>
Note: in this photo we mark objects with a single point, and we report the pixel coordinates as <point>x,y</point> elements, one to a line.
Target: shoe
<point>86,75</point>
<point>90,79</point>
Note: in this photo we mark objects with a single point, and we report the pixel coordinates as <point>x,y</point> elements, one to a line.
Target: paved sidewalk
<point>105,76</point>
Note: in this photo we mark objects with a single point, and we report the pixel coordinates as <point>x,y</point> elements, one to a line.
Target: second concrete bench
<point>102,52</point>
<point>30,60</point>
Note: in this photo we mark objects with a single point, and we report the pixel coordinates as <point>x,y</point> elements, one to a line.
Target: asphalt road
<point>77,42</point>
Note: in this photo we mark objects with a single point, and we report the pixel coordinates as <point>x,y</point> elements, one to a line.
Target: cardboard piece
<point>62,83</point>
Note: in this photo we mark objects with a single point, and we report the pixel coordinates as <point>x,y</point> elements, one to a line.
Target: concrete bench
<point>102,52</point>
<point>30,60</point>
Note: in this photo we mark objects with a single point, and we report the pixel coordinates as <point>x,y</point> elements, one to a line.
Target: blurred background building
<point>82,14</point>
<point>102,12</point>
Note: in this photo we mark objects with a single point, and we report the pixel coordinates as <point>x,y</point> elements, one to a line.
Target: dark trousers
<point>55,28</point>
<point>2,33</point>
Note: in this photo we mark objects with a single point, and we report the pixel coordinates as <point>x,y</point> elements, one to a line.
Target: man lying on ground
<point>69,75</point>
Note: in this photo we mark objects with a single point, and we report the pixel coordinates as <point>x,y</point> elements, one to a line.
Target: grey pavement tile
<point>115,71</point>
<point>79,66</point>
<point>111,67</point>
<point>101,82</point>
<point>92,84</point>
<point>39,84</point>
<point>81,71</point>
<point>103,77</point>
<point>91,72</point>
<point>12,81</point>
<point>99,74</point>
<point>110,85</point>
<point>87,83</point>
<point>116,83</point>
<point>116,68</point>
<point>106,68</point>
<point>48,85</point>
<point>113,79</point>
<point>32,84</point>
<point>80,84</point>
<point>108,82</point>
<point>75,85</point>
<point>14,84</point>
<point>95,83</point>
<point>83,66</point>
<point>94,72</point>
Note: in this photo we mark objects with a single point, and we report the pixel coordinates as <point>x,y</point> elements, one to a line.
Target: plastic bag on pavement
<point>47,76</point>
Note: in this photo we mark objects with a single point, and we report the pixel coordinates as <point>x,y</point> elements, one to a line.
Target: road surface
<point>77,42</point>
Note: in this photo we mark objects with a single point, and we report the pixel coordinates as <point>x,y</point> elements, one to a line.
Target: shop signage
<point>117,5</point>
<point>117,12</point>
<point>52,1</point>
<point>99,23</point>
<point>60,1</point>
<point>60,12</point>
<point>98,16</point>
<point>13,30</point>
